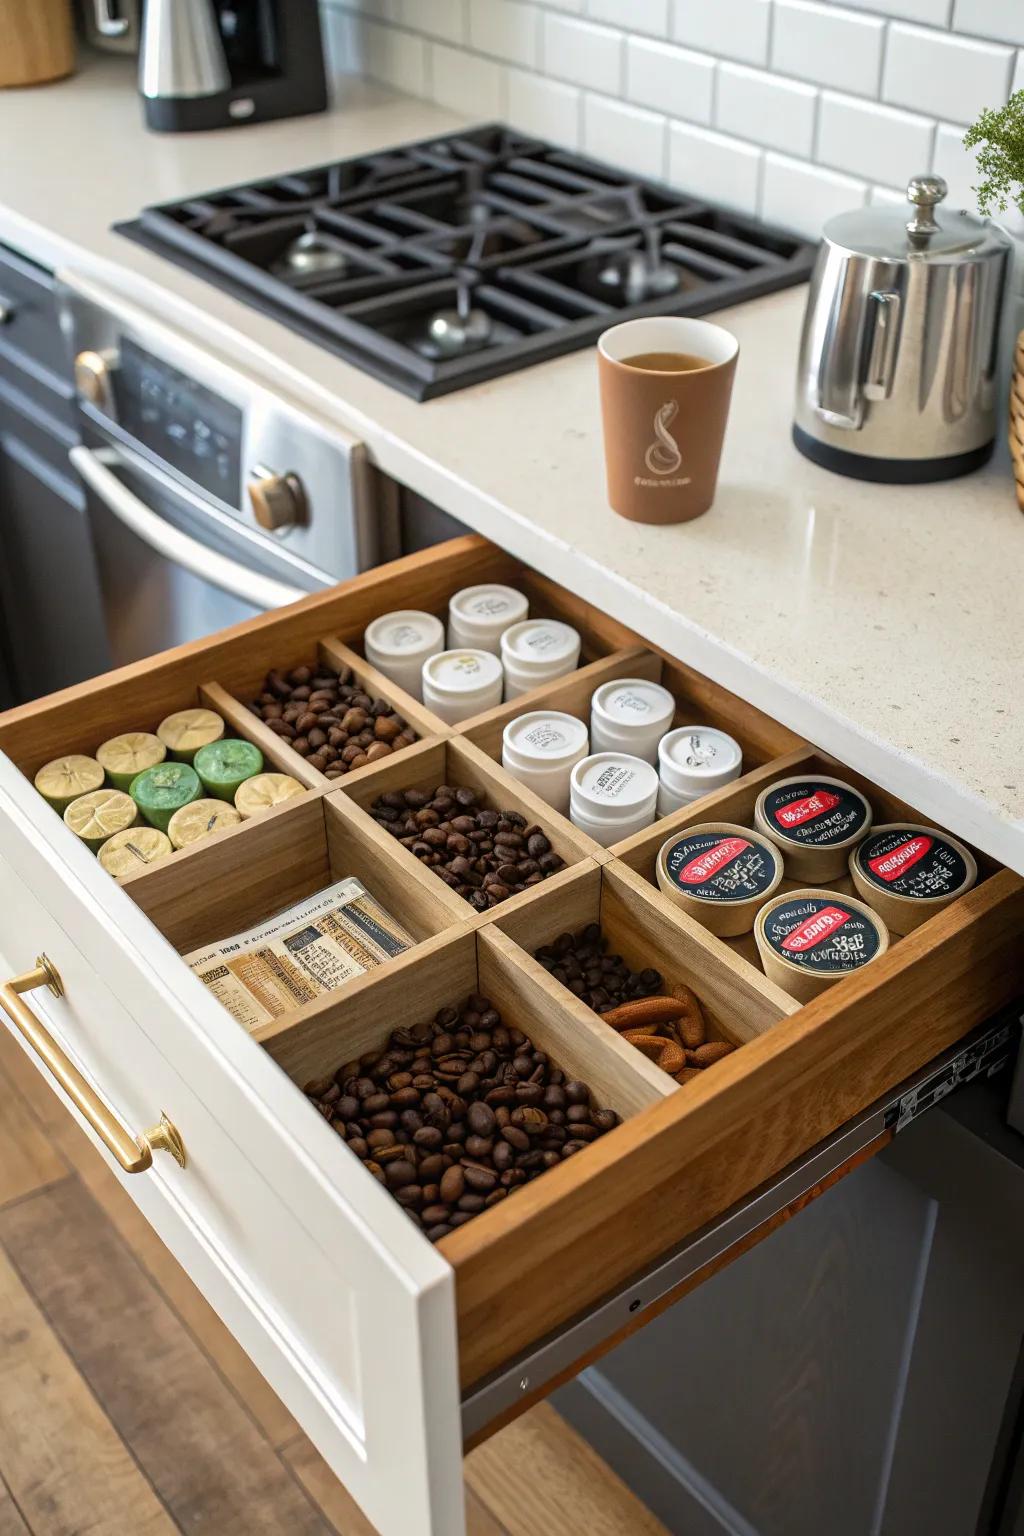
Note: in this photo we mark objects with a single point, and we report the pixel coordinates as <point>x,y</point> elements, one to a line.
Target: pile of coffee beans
<point>582,963</point>
<point>486,856</point>
<point>456,1115</point>
<point>326,717</point>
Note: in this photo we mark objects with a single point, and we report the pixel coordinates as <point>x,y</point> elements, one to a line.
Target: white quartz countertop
<point>885,624</point>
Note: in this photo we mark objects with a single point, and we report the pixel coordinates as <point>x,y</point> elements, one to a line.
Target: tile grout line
<point>6,1488</point>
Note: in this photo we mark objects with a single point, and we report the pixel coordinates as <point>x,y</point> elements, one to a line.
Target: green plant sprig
<point>998,136</point>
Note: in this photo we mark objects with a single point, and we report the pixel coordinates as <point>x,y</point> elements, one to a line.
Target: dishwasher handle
<point>96,467</point>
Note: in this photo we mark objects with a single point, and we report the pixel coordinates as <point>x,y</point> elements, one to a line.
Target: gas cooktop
<point>452,260</point>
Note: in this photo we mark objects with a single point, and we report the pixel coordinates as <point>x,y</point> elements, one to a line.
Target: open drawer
<point>371,1330</point>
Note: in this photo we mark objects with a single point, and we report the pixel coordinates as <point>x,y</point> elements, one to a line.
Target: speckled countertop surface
<point>884,624</point>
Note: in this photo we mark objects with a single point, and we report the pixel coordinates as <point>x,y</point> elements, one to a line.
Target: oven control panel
<point>195,431</point>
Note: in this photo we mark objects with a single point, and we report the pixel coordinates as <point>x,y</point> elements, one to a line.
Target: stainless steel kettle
<point>897,377</point>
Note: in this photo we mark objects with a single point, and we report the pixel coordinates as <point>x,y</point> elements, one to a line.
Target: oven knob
<point>92,376</point>
<point>278,501</point>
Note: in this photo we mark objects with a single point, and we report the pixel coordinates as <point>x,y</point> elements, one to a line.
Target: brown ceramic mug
<point>664,425</point>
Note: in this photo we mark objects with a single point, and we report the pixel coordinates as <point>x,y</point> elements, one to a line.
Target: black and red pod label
<point>915,863</point>
<point>720,866</point>
<point>823,934</point>
<point>815,815</point>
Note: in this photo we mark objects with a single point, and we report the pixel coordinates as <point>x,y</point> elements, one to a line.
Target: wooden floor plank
<point>185,1427</point>
<point>61,1458</point>
<point>538,1474</point>
<point>28,1158</point>
<point>227,1354</point>
<point>342,1511</point>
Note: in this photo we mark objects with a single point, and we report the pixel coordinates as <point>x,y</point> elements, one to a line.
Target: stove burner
<point>445,262</point>
<point>454,332</point>
<point>311,255</point>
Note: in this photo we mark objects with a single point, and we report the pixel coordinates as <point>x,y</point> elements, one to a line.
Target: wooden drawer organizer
<point>682,1155</point>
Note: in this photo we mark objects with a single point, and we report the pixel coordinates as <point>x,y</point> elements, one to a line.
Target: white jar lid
<point>695,759</point>
<point>632,703</point>
<point>544,738</point>
<point>540,644</point>
<point>404,634</point>
<point>462,671</point>
<point>487,610</point>
<point>610,786</point>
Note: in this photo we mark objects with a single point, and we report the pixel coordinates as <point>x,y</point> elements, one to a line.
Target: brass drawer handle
<point>135,1154</point>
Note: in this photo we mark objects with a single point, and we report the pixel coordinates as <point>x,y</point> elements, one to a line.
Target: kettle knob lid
<point>925,193</point>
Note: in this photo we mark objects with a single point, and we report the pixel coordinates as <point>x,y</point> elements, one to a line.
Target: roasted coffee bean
<point>603,981</point>
<point>457,1153</point>
<point>485,855</point>
<point>328,713</point>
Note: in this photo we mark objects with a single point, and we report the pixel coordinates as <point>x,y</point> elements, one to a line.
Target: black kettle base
<point>859,466</point>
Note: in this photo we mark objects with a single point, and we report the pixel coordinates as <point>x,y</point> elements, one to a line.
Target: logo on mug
<point>663,456</point>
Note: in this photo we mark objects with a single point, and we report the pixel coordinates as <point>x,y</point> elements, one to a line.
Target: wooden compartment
<point>454,761</point>
<point>522,1271</point>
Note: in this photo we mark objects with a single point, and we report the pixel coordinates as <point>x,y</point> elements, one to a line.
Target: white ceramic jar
<point>398,644</point>
<point>630,715</point>
<point>612,795</point>
<point>540,749</point>
<point>537,651</point>
<point>479,616</point>
<point>692,761</point>
<point>460,683</point>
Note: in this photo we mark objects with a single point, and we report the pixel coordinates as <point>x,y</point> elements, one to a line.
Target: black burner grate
<point>545,247</point>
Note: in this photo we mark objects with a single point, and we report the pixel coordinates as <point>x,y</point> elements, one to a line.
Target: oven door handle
<point>96,467</point>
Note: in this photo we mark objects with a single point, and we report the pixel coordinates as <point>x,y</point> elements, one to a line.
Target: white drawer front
<point>339,1301</point>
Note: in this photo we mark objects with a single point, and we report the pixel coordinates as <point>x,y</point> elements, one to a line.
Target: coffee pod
<point>692,761</point>
<point>611,796</point>
<point>398,644</point>
<point>184,732</point>
<point>65,778</point>
<point>809,940</point>
<point>721,874</point>
<point>223,765</point>
<point>159,792</point>
<point>457,684</point>
<point>815,821</point>
<point>479,616</point>
<point>130,852</point>
<point>122,757</point>
<point>537,651</point>
<point>630,715</point>
<point>906,872</point>
<point>98,815</point>
<point>541,749</point>
<point>265,790</point>
<point>198,819</point>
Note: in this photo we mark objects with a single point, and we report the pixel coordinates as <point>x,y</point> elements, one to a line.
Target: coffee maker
<point>222,63</point>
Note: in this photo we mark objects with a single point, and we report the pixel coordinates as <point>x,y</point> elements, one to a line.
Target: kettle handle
<point>856,363</point>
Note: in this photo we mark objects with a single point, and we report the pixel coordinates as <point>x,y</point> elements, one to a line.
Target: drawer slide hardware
<point>133,1154</point>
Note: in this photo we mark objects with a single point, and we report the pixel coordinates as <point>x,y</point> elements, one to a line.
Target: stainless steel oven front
<point>211,497</point>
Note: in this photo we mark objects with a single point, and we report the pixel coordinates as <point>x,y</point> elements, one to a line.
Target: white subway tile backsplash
<point>508,29</point>
<point>465,82</point>
<point>627,136</point>
<point>828,45</point>
<point>957,166</point>
<point>398,58</point>
<point>1001,19</point>
<point>344,44</point>
<point>670,79</point>
<point>583,53</point>
<point>544,107</point>
<point>874,141</point>
<point>649,16</point>
<point>946,75</point>
<point>711,165</point>
<point>445,19</point>
<point>730,29</point>
<point>802,197</point>
<point>765,108</point>
<point>934,13</point>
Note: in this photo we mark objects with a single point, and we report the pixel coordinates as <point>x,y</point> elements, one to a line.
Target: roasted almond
<point>644,1013</point>
<point>707,1055</point>
<point>688,1074</point>
<point>690,1023</point>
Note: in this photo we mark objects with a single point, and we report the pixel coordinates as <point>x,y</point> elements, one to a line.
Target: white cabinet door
<point>342,1304</point>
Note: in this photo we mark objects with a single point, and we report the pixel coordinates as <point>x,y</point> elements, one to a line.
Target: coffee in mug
<point>665,385</point>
